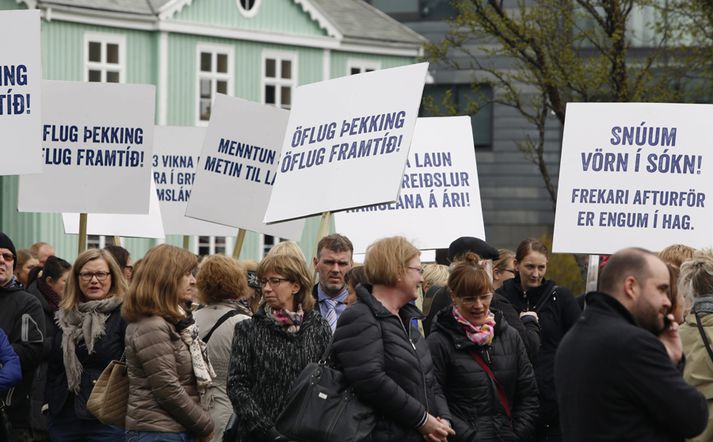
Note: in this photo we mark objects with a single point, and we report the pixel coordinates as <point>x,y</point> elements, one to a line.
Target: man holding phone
<point>618,372</point>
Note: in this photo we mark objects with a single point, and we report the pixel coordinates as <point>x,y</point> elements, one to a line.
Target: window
<point>248,8</point>
<point>96,241</point>
<point>278,78</point>
<point>214,76</point>
<point>211,245</point>
<point>268,242</point>
<point>358,66</point>
<point>462,99</point>
<point>104,58</point>
<point>412,10</point>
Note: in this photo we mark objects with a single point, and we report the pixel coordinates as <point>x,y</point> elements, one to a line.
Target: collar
<point>340,298</point>
<point>606,302</point>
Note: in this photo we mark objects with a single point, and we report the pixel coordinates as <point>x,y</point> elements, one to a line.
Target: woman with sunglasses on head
<point>90,335</point>
<point>384,358</point>
<point>481,362</point>
<point>270,350</point>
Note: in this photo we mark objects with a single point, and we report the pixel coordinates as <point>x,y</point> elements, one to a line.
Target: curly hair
<point>221,278</point>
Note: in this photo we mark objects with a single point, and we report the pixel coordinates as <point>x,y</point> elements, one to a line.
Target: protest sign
<point>136,226</point>
<point>20,92</point>
<point>439,199</point>
<point>346,142</point>
<point>175,161</point>
<point>634,174</point>
<point>238,166</point>
<point>96,149</point>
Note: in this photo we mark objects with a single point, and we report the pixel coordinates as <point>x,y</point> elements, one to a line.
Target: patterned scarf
<point>477,334</point>
<point>86,322</point>
<point>290,321</point>
<point>202,368</point>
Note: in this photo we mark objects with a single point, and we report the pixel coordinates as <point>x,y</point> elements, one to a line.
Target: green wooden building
<point>190,50</point>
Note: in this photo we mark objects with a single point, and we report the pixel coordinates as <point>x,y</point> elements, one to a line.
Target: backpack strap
<point>551,295</point>
<point>220,322</point>
<point>703,335</point>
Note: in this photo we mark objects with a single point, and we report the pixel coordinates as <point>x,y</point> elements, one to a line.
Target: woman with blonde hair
<point>383,356</point>
<point>696,284</point>
<point>167,364</point>
<point>270,350</point>
<point>89,337</point>
<point>221,283</point>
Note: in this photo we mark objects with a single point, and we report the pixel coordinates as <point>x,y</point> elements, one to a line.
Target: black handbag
<point>322,407</point>
<point>231,429</point>
<point>5,426</point>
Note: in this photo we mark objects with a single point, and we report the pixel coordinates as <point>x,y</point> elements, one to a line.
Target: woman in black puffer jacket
<point>383,357</point>
<point>466,338</point>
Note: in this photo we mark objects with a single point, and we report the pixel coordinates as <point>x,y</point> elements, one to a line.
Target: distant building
<point>190,50</point>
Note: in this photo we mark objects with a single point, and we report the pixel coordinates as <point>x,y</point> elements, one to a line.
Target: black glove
<point>272,435</point>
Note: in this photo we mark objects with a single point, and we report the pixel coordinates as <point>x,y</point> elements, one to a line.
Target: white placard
<point>634,174</point>
<point>20,92</point>
<point>97,147</point>
<point>346,142</point>
<point>175,161</point>
<point>439,199</point>
<point>238,166</point>
<point>136,226</point>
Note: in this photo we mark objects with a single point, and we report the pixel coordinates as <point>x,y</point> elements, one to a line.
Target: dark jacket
<point>615,381</point>
<point>10,371</point>
<point>37,418</point>
<point>107,348</point>
<point>557,311</point>
<point>22,320</point>
<point>478,415</point>
<point>264,362</point>
<point>389,366</point>
<point>527,327</point>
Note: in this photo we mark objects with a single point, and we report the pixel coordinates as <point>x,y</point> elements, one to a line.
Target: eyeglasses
<point>274,282</point>
<point>418,269</point>
<point>513,271</point>
<point>7,256</point>
<point>468,301</point>
<point>87,276</point>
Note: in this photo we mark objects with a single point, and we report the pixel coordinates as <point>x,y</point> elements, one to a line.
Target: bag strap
<point>703,335</point>
<point>544,299</point>
<point>501,391</point>
<point>220,322</point>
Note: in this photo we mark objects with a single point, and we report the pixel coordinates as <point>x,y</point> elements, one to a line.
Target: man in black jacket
<point>22,319</point>
<point>618,372</point>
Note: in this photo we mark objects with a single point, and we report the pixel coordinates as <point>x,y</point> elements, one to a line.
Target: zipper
<point>342,406</point>
<point>420,366</point>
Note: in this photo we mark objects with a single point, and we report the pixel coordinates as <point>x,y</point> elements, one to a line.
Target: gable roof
<point>353,20</point>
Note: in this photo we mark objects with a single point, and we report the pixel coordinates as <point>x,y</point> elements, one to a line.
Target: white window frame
<point>214,77</point>
<point>264,252</point>
<point>229,245</point>
<point>278,82</point>
<point>248,13</point>
<point>362,65</point>
<point>99,240</point>
<point>102,66</point>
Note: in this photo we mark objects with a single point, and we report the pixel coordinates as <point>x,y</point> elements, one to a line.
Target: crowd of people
<point>485,348</point>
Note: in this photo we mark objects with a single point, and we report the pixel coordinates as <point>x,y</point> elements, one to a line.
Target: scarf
<point>289,321</point>
<point>477,334</point>
<point>202,369</point>
<point>703,304</point>
<point>86,322</point>
<point>53,298</point>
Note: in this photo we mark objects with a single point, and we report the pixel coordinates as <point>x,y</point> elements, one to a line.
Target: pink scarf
<point>289,320</point>
<point>477,334</point>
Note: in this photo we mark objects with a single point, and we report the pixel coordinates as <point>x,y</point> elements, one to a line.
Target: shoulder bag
<point>501,391</point>
<point>322,407</point>
<point>110,394</point>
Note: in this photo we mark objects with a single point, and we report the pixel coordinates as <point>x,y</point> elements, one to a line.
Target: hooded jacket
<point>478,414</point>
<point>388,364</point>
<point>22,319</point>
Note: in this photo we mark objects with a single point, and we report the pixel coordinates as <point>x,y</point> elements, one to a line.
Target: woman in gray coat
<point>221,283</point>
